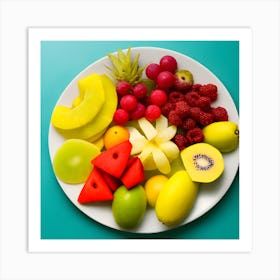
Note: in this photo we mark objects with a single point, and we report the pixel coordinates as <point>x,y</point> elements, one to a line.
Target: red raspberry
<point>158,97</point>
<point>182,109</point>
<point>205,118</point>
<point>196,87</point>
<point>174,119</point>
<point>176,96</point>
<point>195,113</point>
<point>195,135</point>
<point>209,90</point>
<point>220,114</point>
<point>204,103</point>
<point>120,117</point>
<point>152,113</point>
<point>188,124</point>
<point>167,108</point>
<point>181,141</point>
<point>192,98</point>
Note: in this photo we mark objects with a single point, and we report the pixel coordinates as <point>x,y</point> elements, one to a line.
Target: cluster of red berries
<point>191,111</point>
<point>185,104</point>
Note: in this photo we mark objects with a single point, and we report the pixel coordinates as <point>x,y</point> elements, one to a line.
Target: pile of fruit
<point>142,119</point>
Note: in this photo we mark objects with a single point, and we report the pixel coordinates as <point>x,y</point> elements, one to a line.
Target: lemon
<point>153,187</point>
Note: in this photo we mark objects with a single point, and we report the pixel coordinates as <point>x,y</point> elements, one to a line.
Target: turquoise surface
<point>61,61</point>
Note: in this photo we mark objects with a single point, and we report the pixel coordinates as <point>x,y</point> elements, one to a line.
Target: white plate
<point>209,194</point>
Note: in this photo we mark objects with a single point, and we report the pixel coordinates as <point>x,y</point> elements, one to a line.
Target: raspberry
<point>158,97</point>
<point>167,108</point>
<point>196,87</point>
<point>181,141</point>
<point>192,98</point>
<point>195,135</point>
<point>152,113</point>
<point>205,118</point>
<point>220,114</point>
<point>204,103</point>
<point>209,90</point>
<point>128,102</point>
<point>120,117</point>
<point>138,112</point>
<point>195,113</point>
<point>174,119</point>
<point>182,109</point>
<point>188,124</point>
<point>176,96</point>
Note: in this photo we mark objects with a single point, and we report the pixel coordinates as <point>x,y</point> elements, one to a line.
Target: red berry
<point>182,109</point>
<point>120,117</point>
<point>176,96</point>
<point>181,141</point>
<point>152,71</point>
<point>195,135</point>
<point>128,102</point>
<point>195,113</point>
<point>204,103</point>
<point>205,118</point>
<point>158,97</point>
<point>209,90</point>
<point>123,88</point>
<point>140,91</point>
<point>165,80</point>
<point>168,63</point>
<point>188,124</point>
<point>174,118</point>
<point>169,106</point>
<point>138,112</point>
<point>196,87</point>
<point>192,98</point>
<point>220,114</point>
<point>152,112</point>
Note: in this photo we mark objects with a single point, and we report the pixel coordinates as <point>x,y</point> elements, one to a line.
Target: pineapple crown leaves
<point>124,68</point>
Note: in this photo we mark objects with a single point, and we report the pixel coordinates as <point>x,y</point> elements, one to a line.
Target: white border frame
<point>244,36</point>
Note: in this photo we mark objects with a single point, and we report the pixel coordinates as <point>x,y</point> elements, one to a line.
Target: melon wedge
<point>93,98</point>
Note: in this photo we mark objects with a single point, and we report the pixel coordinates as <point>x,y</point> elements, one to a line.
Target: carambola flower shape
<point>153,145</point>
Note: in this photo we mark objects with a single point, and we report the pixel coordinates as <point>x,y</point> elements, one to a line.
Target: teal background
<point>61,61</point>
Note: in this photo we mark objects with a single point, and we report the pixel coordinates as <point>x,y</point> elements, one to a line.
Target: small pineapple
<point>124,69</point>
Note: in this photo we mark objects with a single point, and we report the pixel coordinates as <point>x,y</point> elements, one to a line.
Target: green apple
<point>129,206</point>
<point>72,161</point>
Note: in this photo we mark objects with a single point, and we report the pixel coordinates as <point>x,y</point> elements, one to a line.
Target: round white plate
<point>209,194</point>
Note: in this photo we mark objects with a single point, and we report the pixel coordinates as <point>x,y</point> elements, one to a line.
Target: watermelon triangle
<point>95,189</point>
<point>114,160</point>
<point>112,182</point>
<point>134,174</point>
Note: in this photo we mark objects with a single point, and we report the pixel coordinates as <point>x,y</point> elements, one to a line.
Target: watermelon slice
<point>95,189</point>
<point>114,160</point>
<point>111,181</point>
<point>134,174</point>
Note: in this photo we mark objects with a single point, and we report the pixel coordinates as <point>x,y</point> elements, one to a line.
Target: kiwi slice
<point>203,162</point>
